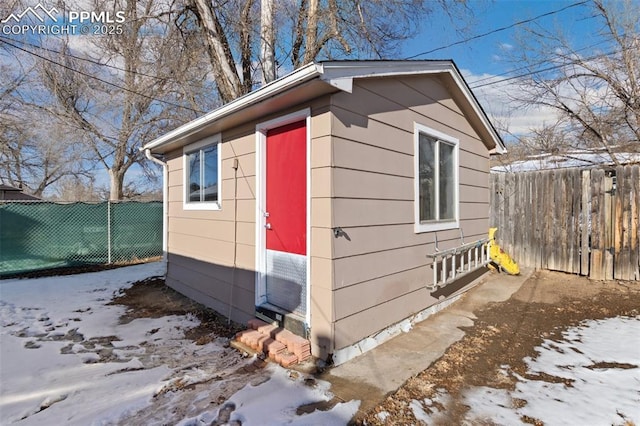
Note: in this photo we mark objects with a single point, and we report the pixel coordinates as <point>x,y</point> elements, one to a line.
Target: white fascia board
<point>332,70</point>
<point>341,74</point>
<point>473,102</point>
<point>300,75</point>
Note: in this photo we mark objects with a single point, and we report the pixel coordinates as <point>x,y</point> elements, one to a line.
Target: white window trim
<point>201,205</point>
<point>438,225</point>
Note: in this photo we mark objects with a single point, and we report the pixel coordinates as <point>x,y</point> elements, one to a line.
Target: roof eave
<point>329,76</point>
<point>274,88</point>
<point>499,146</point>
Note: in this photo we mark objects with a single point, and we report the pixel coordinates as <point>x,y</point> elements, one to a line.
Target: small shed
<point>317,200</point>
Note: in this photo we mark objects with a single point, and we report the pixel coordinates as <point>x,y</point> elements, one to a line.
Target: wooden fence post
<point>576,196</point>
<point>634,232</point>
<point>537,220</point>
<point>609,221</point>
<point>626,226</point>
<point>597,219</point>
<point>619,225</point>
<point>585,214</point>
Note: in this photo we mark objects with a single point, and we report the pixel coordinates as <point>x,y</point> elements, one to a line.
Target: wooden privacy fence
<point>572,220</point>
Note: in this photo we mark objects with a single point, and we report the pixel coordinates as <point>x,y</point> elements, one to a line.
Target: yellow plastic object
<point>499,257</point>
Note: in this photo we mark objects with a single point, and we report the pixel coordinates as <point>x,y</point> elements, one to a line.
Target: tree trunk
<point>311,36</point>
<point>267,40</point>
<point>116,180</point>
<point>226,77</point>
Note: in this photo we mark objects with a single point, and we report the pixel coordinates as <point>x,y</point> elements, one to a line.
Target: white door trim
<point>261,139</point>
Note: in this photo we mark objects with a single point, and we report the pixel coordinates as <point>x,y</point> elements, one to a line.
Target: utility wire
<point>99,79</point>
<point>551,68</point>
<point>473,85</point>
<point>515,24</point>
<point>92,61</point>
<point>535,64</point>
<point>410,57</point>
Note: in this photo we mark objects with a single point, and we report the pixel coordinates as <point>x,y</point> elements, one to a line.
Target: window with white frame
<point>436,180</point>
<point>202,174</point>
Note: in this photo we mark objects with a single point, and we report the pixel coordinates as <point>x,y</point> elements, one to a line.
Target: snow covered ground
<point>567,160</point>
<point>66,358</point>
<point>590,377</point>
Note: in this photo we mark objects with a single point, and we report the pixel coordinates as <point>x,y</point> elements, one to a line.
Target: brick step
<point>280,345</point>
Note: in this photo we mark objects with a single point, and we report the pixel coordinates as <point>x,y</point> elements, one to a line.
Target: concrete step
<point>278,344</point>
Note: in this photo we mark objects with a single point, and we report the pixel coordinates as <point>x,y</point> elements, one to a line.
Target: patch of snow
<point>569,160</point>
<point>66,358</point>
<point>601,361</point>
<point>418,411</point>
<point>600,393</point>
<point>383,415</point>
<point>491,406</point>
<point>275,402</point>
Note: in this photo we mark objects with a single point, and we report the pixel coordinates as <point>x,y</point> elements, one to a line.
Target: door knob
<point>267,225</point>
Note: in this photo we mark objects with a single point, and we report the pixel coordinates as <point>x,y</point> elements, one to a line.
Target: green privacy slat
<point>43,235</point>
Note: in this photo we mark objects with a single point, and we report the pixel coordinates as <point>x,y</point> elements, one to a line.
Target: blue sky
<point>482,55</point>
<point>486,56</point>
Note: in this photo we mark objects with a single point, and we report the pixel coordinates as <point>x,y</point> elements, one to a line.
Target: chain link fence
<point>37,235</point>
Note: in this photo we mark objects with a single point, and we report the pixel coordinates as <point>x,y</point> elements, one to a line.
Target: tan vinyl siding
<point>349,212</point>
<point>358,269</point>
<point>356,327</point>
<point>381,269</point>
<point>360,297</point>
<point>196,279</point>
<point>354,155</point>
<point>371,239</point>
<point>201,243</point>
<point>321,244</point>
<point>322,323</point>
<point>371,185</point>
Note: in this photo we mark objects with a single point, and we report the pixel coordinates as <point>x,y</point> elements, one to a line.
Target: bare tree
<point>35,152</point>
<point>111,93</point>
<point>595,93</point>
<point>74,188</point>
<point>298,32</point>
<point>146,87</point>
<point>356,28</point>
<point>36,158</point>
<point>215,21</point>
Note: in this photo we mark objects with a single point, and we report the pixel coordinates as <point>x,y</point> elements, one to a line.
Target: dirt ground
<point>217,374</point>
<point>152,298</point>
<point>503,334</point>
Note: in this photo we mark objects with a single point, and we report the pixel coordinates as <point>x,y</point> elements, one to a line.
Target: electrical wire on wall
<point>235,235</point>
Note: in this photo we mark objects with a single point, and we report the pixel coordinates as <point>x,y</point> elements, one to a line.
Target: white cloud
<point>505,46</point>
<point>502,109</point>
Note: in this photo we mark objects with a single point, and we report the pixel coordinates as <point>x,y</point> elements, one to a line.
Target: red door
<point>286,188</point>
<point>286,218</point>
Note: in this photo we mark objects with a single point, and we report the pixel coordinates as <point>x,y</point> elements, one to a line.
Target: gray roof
<point>8,192</point>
